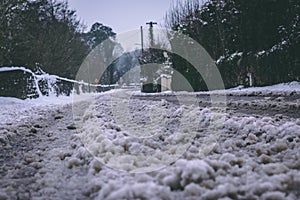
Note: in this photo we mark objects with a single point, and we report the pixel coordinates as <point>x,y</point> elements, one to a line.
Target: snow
<point>261,53</point>
<point>139,148</point>
<point>283,89</point>
<point>13,108</point>
<point>230,57</point>
<point>51,80</point>
<point>132,144</point>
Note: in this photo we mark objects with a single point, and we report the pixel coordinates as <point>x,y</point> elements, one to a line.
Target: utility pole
<point>151,24</point>
<point>151,32</point>
<point>142,39</point>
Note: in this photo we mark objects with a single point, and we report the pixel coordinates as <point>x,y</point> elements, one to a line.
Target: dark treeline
<point>46,33</point>
<point>256,37</point>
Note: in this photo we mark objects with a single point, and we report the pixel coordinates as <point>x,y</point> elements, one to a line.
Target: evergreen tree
<point>41,32</point>
<point>101,42</point>
<point>257,37</point>
<point>98,34</point>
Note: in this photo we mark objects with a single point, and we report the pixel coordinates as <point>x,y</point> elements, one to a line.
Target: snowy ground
<point>128,145</point>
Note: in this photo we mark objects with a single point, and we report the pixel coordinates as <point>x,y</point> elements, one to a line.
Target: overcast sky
<point>121,15</point>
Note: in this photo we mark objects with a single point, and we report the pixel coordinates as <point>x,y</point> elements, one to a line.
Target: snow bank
<point>282,88</point>
<point>13,109</point>
<point>278,89</point>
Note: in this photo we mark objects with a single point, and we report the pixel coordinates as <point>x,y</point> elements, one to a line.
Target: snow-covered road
<point>178,148</point>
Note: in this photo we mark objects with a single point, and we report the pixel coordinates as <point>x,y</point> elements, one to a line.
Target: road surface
<point>256,156</point>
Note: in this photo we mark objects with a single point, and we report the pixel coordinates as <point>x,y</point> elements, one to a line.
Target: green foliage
<point>44,33</point>
<point>98,34</point>
<point>258,37</point>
